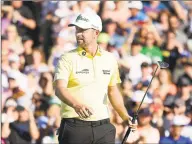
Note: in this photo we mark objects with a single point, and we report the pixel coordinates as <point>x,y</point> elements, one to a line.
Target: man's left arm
<point>116,100</point>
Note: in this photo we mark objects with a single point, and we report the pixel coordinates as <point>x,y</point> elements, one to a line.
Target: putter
<point>160,65</point>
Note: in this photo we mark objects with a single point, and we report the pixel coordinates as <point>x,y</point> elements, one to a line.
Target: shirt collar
<point>82,52</point>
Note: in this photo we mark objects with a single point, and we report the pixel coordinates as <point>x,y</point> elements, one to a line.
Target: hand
<point>17,16</point>
<point>83,111</point>
<point>31,115</point>
<point>131,125</point>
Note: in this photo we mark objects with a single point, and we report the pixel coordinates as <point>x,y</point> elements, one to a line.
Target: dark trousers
<point>74,131</point>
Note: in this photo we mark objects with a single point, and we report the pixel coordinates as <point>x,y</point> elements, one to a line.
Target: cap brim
<point>81,25</point>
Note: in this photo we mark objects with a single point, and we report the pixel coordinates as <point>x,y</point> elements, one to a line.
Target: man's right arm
<point>61,78</point>
<point>63,94</point>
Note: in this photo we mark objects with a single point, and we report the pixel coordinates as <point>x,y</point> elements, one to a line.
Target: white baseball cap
<point>14,74</point>
<point>180,120</point>
<point>10,102</point>
<point>88,20</point>
<point>138,96</point>
<point>135,4</point>
<point>13,58</point>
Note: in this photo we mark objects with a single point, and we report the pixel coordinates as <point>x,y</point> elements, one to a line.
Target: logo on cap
<point>82,18</point>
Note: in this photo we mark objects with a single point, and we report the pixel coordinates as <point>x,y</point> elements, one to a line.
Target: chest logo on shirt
<point>84,71</point>
<point>106,72</point>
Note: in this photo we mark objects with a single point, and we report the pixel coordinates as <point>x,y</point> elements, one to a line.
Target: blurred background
<point>34,34</point>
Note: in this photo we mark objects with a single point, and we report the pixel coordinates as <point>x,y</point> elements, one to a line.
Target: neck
<point>175,137</point>
<point>150,45</point>
<point>185,96</point>
<point>91,49</point>
<point>28,50</point>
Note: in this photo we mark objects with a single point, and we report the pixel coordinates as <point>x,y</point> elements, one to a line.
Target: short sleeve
<point>63,69</point>
<point>115,77</point>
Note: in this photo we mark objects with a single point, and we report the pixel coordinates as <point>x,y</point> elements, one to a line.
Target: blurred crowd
<point>35,34</point>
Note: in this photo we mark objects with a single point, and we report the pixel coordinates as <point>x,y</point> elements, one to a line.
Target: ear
<point>97,32</point>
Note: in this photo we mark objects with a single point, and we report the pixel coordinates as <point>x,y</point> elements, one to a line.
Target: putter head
<point>162,64</point>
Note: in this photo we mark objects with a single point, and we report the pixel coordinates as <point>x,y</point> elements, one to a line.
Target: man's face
<point>144,120</point>
<point>17,4</point>
<point>176,130</point>
<point>134,11</point>
<point>85,36</point>
<point>174,22</point>
<point>111,27</point>
<point>135,49</point>
<point>23,116</point>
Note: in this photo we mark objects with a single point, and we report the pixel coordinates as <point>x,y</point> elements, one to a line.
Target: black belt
<point>88,123</point>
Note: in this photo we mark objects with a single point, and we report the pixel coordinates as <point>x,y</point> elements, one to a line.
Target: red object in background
<point>156,107</point>
<point>140,23</point>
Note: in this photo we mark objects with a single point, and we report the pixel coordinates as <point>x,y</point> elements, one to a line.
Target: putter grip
<point>129,129</point>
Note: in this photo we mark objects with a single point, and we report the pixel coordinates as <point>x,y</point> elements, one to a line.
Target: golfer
<point>84,80</point>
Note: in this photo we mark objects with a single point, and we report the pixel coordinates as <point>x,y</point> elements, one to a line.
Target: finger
<point>90,110</point>
<point>85,112</point>
<point>82,113</point>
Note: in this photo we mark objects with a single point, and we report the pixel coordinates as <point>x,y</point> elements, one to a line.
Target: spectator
<point>136,99</point>
<point>133,62</point>
<point>167,87</point>
<point>38,65</point>
<point>153,8</point>
<point>23,18</point>
<point>185,92</point>
<point>24,130</point>
<point>187,63</point>
<point>150,49</point>
<point>103,40</point>
<point>162,24</point>
<point>46,34</point>
<point>45,83</point>
<point>186,131</point>
<point>14,40</point>
<point>62,45</point>
<point>179,107</point>
<point>176,26</point>
<point>145,133</point>
<point>157,114</point>
<point>28,49</point>
<point>119,14</point>
<point>19,90</point>
<point>175,131</point>
<point>137,17</point>
<point>172,50</point>
<point>146,72</point>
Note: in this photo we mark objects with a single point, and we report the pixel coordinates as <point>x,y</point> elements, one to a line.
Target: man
<point>137,18</point>
<point>146,133</point>
<point>134,61</point>
<point>83,79</point>
<point>23,130</point>
<point>175,131</point>
<point>23,18</point>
